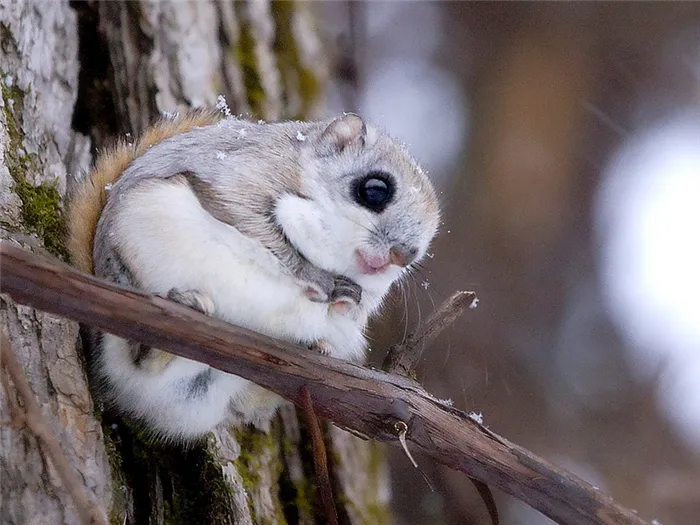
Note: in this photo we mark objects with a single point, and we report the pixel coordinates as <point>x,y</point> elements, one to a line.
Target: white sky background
<point>649,222</point>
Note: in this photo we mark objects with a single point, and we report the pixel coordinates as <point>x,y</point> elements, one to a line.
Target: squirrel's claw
<point>346,290</point>
<point>322,346</point>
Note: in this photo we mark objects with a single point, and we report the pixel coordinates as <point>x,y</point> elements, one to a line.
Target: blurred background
<point>564,139</point>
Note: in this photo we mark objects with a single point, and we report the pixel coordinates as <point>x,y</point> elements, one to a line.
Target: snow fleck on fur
<point>300,136</point>
<point>222,106</point>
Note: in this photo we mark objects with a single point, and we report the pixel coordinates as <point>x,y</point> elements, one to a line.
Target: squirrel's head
<point>366,210</point>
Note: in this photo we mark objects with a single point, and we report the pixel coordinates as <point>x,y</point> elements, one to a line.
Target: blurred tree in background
<point>548,224</point>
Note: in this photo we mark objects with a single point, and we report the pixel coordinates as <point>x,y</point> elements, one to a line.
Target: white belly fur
<point>248,288</point>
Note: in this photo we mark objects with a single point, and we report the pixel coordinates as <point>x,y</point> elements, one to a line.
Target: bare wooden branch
<point>403,357</point>
<point>89,512</point>
<point>364,401</point>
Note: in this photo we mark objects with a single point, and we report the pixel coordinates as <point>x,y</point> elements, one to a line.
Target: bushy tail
<point>90,197</point>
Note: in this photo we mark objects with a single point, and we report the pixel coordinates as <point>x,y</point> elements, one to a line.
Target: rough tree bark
<point>60,102</point>
<point>39,82</point>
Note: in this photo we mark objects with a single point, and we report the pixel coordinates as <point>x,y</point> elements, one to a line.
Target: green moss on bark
<point>120,495</point>
<point>260,451</point>
<point>163,482</point>
<point>289,60</point>
<point>244,53</point>
<point>41,210</point>
<point>199,491</point>
<point>376,512</point>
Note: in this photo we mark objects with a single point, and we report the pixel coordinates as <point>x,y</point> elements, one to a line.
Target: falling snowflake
<point>425,285</point>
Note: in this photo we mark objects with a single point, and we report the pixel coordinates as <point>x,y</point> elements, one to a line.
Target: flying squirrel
<point>294,229</point>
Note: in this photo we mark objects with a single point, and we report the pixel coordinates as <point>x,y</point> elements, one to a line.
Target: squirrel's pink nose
<point>371,263</point>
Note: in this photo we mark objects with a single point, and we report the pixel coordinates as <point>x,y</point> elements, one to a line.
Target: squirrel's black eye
<point>374,191</point>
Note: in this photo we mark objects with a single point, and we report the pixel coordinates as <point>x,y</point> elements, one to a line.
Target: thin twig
<point>320,457</point>
<point>403,357</point>
<point>364,401</point>
<point>89,512</point>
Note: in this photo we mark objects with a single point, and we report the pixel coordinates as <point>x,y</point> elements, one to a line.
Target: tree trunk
<point>60,102</point>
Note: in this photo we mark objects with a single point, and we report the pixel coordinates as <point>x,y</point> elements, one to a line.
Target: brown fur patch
<point>88,201</point>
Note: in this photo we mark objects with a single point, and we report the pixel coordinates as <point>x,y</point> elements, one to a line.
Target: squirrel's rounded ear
<point>342,132</point>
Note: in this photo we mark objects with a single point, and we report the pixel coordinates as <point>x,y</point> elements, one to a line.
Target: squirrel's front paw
<point>318,284</point>
<point>321,286</point>
<point>346,295</point>
<point>194,299</point>
<point>343,298</point>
